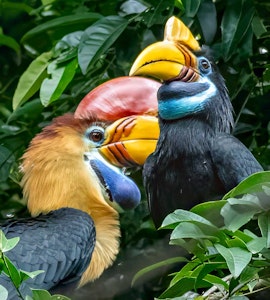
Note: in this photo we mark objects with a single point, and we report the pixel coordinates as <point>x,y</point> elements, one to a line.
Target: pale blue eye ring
<point>95,134</point>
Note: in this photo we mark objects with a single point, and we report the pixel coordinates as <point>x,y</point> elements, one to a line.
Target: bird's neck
<point>52,181</point>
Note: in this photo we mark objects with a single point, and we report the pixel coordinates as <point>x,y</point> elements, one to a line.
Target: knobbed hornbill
<point>74,193</point>
<point>197,158</point>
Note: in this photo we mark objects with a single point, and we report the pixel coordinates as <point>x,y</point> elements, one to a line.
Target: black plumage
<point>60,243</point>
<point>196,159</point>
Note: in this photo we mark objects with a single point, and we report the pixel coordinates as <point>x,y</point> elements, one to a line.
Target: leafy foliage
<point>18,276</point>
<point>230,254</point>
<point>53,52</point>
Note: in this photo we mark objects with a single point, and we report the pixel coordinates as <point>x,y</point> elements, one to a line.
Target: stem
<point>215,288</point>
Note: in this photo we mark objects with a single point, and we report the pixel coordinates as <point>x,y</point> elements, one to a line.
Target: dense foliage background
<point>53,52</point>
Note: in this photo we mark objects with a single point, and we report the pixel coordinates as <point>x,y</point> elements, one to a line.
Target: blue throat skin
<point>179,99</point>
<point>121,189</point>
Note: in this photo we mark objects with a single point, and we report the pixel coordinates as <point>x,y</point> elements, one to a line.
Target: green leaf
<point>191,7</point>
<point>236,21</point>
<point>11,271</point>
<point>3,293</point>
<point>236,258</point>
<point>67,22</point>
<point>160,12</point>
<point>97,39</point>
<point>156,266</point>
<point>9,42</point>
<point>194,231</point>
<point>237,212</point>
<point>6,161</point>
<point>52,88</point>
<point>7,244</point>
<point>31,79</point>
<point>258,26</point>
<point>31,110</point>
<point>181,215</point>
<point>264,224</point>
<point>26,275</point>
<point>256,245</point>
<point>210,210</point>
<point>252,184</point>
<point>207,17</point>
<point>182,286</point>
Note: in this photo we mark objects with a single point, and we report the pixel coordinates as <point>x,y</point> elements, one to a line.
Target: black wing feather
<point>233,161</point>
<point>60,243</point>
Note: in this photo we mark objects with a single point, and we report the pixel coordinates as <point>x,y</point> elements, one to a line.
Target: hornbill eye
<point>204,65</point>
<point>95,134</point>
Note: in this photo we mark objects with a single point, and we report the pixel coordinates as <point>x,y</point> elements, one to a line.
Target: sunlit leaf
<point>210,210</point>
<point>97,39</point>
<point>236,258</point>
<point>256,245</point>
<point>3,293</point>
<point>7,244</point>
<point>181,215</point>
<point>252,184</point>
<point>52,88</point>
<point>25,275</point>
<point>194,230</point>
<point>31,79</point>
<point>237,212</point>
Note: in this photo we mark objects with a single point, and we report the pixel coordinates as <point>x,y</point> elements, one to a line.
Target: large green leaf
<point>31,79</point>
<point>236,21</point>
<point>252,184</point>
<point>181,215</point>
<point>52,88</point>
<point>194,230</point>
<point>237,212</point>
<point>67,22</point>
<point>97,39</point>
<point>236,258</point>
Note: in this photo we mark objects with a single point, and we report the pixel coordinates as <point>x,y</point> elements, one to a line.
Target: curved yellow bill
<point>129,141</point>
<point>170,58</point>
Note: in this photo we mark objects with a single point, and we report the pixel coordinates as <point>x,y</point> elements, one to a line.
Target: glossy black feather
<point>60,243</point>
<point>196,158</point>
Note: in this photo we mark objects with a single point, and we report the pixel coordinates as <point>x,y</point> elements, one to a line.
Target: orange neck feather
<point>55,176</point>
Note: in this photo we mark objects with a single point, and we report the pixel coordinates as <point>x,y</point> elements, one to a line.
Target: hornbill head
<point>131,104</point>
<point>192,84</point>
<point>76,161</point>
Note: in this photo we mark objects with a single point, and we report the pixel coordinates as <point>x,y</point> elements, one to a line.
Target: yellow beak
<point>129,141</point>
<point>171,58</point>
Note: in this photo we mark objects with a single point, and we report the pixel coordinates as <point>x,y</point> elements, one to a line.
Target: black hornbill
<point>74,193</point>
<point>197,158</point>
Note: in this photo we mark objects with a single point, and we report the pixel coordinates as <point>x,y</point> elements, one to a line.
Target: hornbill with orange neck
<point>74,185</point>
<point>197,158</point>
